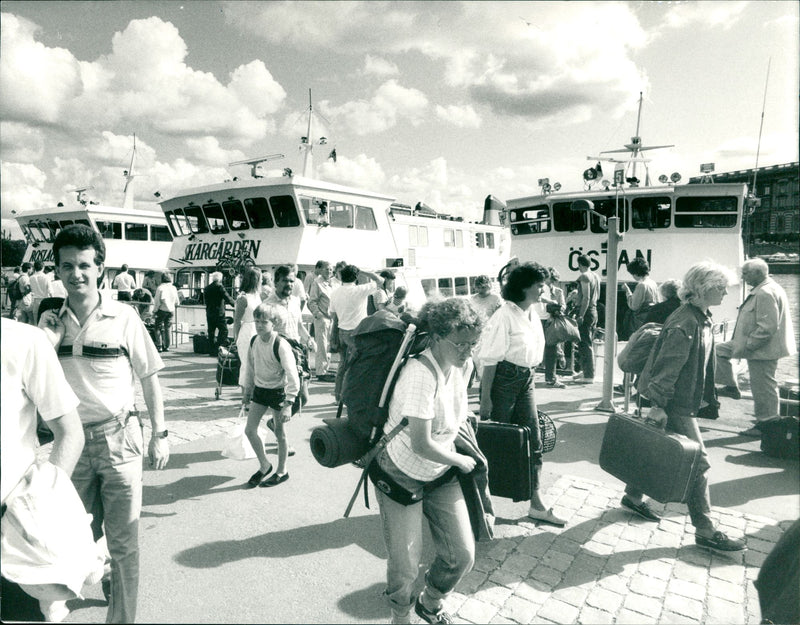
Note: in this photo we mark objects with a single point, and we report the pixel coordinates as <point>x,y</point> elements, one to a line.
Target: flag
<point>333,154</point>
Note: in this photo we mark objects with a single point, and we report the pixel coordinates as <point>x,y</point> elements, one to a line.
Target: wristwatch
<point>163,434</point>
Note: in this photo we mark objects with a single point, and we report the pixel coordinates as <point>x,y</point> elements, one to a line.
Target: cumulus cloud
<point>207,150</point>
<point>377,66</point>
<point>362,171</point>
<point>22,188</point>
<point>724,14</point>
<point>463,116</point>
<point>20,142</point>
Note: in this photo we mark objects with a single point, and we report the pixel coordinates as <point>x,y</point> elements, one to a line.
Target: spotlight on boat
<point>157,193</point>
<point>675,177</point>
<point>557,186</point>
<point>606,183</point>
<point>663,179</point>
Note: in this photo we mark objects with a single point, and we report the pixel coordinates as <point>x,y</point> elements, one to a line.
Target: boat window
<point>258,212</point>
<point>446,287</point>
<point>429,286</point>
<point>705,212</point>
<point>530,219</point>
<point>462,286</point>
<point>490,240</point>
<point>567,220</point>
<point>160,233</point>
<point>648,213</point>
<point>216,222</point>
<point>195,219</point>
<point>234,212</point>
<point>285,211</point>
<point>83,222</point>
<point>365,219</point>
<point>480,239</point>
<point>54,227</point>
<point>110,229</point>
<point>314,209</point>
<point>65,222</point>
<point>36,232</point>
<point>341,215</point>
<point>135,232</point>
<point>459,238</point>
<point>177,222</point>
<point>609,207</point>
<point>449,237</point>
<point>418,236</point>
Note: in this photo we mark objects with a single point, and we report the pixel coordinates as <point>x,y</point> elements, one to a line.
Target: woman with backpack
<point>511,347</point>
<point>431,394</point>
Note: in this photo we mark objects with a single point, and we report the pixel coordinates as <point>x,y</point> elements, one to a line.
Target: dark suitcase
<point>200,344</point>
<point>779,437</point>
<point>789,390</point>
<point>228,370</point>
<point>663,465</point>
<point>508,453</point>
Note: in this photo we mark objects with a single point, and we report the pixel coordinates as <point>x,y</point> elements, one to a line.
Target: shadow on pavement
<point>183,460</point>
<point>362,531</point>
<point>367,604</point>
<point>742,490</point>
<point>189,488</point>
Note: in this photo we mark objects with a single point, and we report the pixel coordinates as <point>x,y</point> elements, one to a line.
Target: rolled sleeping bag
<point>335,444</point>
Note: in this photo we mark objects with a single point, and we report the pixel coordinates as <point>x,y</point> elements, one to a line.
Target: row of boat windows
<point>46,231</point>
<point>418,237</point>
<point>449,287</point>
<point>646,213</point>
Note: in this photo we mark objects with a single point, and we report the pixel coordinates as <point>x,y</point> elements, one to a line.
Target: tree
<point>12,252</point>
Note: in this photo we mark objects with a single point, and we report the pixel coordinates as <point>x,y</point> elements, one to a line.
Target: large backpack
<point>633,357</point>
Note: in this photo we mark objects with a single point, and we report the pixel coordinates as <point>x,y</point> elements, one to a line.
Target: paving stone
<point>598,548</point>
<point>535,545</point>
<point>733,521</point>
<point>477,611</point>
<point>505,578</point>
<point>700,557</point>
<point>558,611</point>
<point>648,585</point>
<point>686,589</point>
<point>729,572</point>
<point>565,545</point>
<point>520,564</point>
<point>680,604</point>
<point>690,572</point>
<point>598,501</point>
<point>592,616</point>
<point>755,558</point>
<point>631,617</point>
<point>556,560</point>
<point>546,575</point>
<point>726,590</point>
<point>677,619</point>
<point>492,593</point>
<point>724,612</point>
<point>659,569</point>
<point>471,582</point>
<point>533,591</point>
<point>485,564</point>
<point>642,604</point>
<point>573,595</point>
<point>519,610</point>
<point>665,539</point>
<point>672,526</point>
<point>604,599</point>
<point>499,620</point>
<point>636,534</point>
<point>614,583</point>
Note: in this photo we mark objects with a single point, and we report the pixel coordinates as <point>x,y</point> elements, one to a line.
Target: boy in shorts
<point>273,383</point>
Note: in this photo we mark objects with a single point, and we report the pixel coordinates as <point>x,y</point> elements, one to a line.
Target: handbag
<point>399,486</point>
<point>560,330</point>
<point>237,446</point>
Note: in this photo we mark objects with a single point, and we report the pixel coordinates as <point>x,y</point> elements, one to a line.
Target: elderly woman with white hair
<point>679,381</point>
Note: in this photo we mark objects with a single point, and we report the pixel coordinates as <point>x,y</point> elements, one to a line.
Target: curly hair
<point>450,315</point>
<point>703,277</point>
<point>638,267</point>
<point>521,278</point>
<point>83,237</point>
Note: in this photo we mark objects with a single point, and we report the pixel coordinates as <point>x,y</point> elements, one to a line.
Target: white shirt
<point>265,371</point>
<point>349,302</point>
<point>441,400</point>
<point>31,379</point>
<point>292,305</point>
<point>124,281</point>
<point>39,284</point>
<point>166,297</point>
<point>514,335</point>
<point>56,288</point>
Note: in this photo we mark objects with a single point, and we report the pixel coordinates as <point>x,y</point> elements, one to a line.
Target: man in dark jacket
<point>670,302</point>
<point>216,297</point>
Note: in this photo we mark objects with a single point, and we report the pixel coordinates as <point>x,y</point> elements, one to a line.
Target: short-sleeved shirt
<point>486,305</point>
<point>514,335</point>
<point>124,281</point>
<point>420,395</point>
<point>292,305</point>
<point>31,380</point>
<point>593,284</point>
<point>349,302</point>
<point>100,359</point>
<point>166,297</point>
<point>39,284</point>
<point>265,371</point>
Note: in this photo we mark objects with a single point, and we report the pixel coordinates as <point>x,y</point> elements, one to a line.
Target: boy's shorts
<point>270,397</point>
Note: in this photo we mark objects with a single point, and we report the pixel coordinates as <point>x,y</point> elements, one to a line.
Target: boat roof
<point>630,191</point>
<point>54,211</point>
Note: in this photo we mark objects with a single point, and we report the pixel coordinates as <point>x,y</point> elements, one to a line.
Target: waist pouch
<point>398,485</point>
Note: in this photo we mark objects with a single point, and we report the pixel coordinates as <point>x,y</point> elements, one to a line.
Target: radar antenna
<point>80,190</point>
<point>255,162</point>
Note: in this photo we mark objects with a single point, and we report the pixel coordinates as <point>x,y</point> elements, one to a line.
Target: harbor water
<point>788,367</point>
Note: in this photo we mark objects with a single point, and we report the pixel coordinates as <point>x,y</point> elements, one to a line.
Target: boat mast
<point>307,143</point>
<point>637,141</point>
<point>761,127</point>
<point>127,201</point>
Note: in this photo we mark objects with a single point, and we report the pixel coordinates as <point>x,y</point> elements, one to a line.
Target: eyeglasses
<point>462,347</point>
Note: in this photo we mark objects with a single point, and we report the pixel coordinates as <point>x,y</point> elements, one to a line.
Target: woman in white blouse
<point>244,327</point>
<point>511,347</point>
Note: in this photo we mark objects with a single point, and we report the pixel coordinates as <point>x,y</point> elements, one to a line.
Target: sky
<point>439,102</point>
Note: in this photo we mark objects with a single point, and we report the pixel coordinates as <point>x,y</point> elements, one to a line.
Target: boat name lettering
<point>218,249</point>
<point>623,259</point>
<point>46,256</point>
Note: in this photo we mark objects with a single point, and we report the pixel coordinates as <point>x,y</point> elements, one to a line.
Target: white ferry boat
<point>671,226</point>
<point>138,238</point>
<point>299,220</point>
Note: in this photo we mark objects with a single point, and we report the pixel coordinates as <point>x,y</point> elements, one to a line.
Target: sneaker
<point>729,391</point>
<point>429,616</point>
<point>642,509</point>
<point>720,542</point>
<point>556,384</point>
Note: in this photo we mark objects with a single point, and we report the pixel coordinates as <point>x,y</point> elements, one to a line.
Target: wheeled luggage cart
<point>228,365</point>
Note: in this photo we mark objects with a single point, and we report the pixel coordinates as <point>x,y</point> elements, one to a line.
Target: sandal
<point>258,477</point>
<point>546,516</point>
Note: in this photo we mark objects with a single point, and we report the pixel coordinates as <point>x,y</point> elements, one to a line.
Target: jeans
<point>108,478</point>
<point>448,519</point>
<point>763,383</point>
<point>322,335</point>
<point>514,401</point>
<point>216,326</point>
<point>550,361</point>
<point>699,502</point>
<point>163,325</point>
<point>346,347</point>
<point>586,326</point>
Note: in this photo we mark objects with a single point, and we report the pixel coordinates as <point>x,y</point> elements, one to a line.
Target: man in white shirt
<point>39,283</point>
<point>164,304</point>
<point>124,283</point>
<point>32,380</point>
<point>319,299</point>
<point>349,304</point>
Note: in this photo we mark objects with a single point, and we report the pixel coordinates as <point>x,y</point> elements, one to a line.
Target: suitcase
<point>789,390</point>
<point>200,344</point>
<point>779,437</point>
<point>228,370</point>
<point>508,454</point>
<point>663,465</point>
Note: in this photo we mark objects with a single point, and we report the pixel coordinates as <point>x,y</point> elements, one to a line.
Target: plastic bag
<point>236,445</point>
<point>560,330</point>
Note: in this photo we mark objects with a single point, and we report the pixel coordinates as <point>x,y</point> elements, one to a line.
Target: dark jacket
<point>215,297</point>
<point>658,313</point>
<point>675,377</point>
<point>475,485</point>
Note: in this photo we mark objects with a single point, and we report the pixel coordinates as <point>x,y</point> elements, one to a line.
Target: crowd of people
<point>91,349</point>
